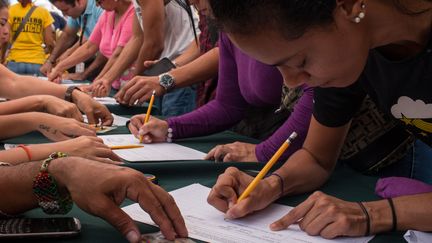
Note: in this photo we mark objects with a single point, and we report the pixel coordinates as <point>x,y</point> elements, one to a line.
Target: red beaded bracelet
<point>45,188</point>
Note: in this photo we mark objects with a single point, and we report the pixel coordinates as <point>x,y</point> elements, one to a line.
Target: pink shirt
<point>108,37</point>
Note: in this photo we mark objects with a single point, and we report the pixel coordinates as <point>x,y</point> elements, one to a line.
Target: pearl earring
<point>361,15</point>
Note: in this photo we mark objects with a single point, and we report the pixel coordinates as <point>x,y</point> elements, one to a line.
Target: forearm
<point>49,39</point>
<point>190,54</point>
<point>412,212</point>
<point>17,184</point>
<point>201,69</point>
<point>38,152</point>
<point>26,104</point>
<point>298,121</point>
<point>124,61</point>
<point>302,173</point>
<point>150,50</point>
<point>98,62</point>
<point>16,187</point>
<point>18,124</point>
<point>211,118</point>
<point>110,62</point>
<point>65,41</point>
<point>16,86</point>
<point>83,53</point>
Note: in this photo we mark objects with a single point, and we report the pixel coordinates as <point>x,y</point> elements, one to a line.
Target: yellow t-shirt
<point>28,46</point>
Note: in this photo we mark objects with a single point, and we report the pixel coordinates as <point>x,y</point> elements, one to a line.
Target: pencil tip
<point>154,92</point>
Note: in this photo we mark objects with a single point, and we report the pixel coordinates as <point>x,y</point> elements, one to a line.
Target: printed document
<point>118,120</point>
<point>206,223</point>
<point>151,152</point>
<point>414,236</point>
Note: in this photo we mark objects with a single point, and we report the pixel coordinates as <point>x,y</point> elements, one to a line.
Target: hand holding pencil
<point>154,131</point>
<point>147,116</point>
<point>238,194</point>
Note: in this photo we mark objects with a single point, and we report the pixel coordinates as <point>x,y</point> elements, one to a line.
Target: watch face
<point>166,81</point>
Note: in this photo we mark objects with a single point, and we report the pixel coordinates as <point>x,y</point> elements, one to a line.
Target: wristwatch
<point>68,93</point>
<point>167,81</point>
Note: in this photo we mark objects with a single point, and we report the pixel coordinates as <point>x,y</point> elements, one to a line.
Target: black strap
<point>21,27</point>
<point>186,6</point>
<point>82,29</point>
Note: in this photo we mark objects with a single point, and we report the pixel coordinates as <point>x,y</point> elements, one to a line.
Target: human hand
<point>59,107</point>
<point>87,147</point>
<point>99,189</point>
<point>58,128</point>
<point>326,216</point>
<point>46,68</point>
<point>237,152</point>
<point>139,89</point>
<point>55,75</point>
<point>155,130</point>
<point>95,111</point>
<point>149,63</point>
<point>74,76</point>
<point>231,184</point>
<point>101,87</point>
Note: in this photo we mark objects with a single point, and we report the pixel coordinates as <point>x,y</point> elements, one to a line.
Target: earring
<point>361,15</point>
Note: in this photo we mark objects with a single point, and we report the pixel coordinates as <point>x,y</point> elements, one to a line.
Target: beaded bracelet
<point>46,190</point>
<point>169,135</point>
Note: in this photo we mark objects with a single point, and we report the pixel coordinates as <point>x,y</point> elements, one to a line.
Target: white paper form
<point>106,100</point>
<point>206,223</point>
<point>74,84</point>
<point>118,120</point>
<point>414,236</point>
<point>151,152</point>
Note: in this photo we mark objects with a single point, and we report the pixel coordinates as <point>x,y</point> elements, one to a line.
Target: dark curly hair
<point>292,17</point>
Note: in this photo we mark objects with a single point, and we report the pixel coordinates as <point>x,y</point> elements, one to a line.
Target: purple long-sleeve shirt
<point>245,82</point>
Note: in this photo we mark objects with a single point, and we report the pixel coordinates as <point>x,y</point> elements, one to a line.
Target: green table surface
<point>344,183</point>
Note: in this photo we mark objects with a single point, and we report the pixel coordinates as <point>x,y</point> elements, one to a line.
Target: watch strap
<point>68,93</point>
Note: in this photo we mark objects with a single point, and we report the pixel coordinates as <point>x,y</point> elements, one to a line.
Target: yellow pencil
<point>98,128</point>
<point>125,146</point>
<point>267,167</point>
<point>147,117</point>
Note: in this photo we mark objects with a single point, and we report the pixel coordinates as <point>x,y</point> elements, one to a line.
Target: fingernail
<point>230,215</point>
<point>141,132</point>
<point>132,236</point>
<point>275,226</point>
<point>230,204</point>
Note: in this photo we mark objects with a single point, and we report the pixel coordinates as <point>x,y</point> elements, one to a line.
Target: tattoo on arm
<point>44,127</point>
<point>47,128</point>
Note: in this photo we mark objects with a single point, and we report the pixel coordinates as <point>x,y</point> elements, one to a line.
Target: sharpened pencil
<point>126,146</point>
<point>147,117</point>
<point>267,167</point>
